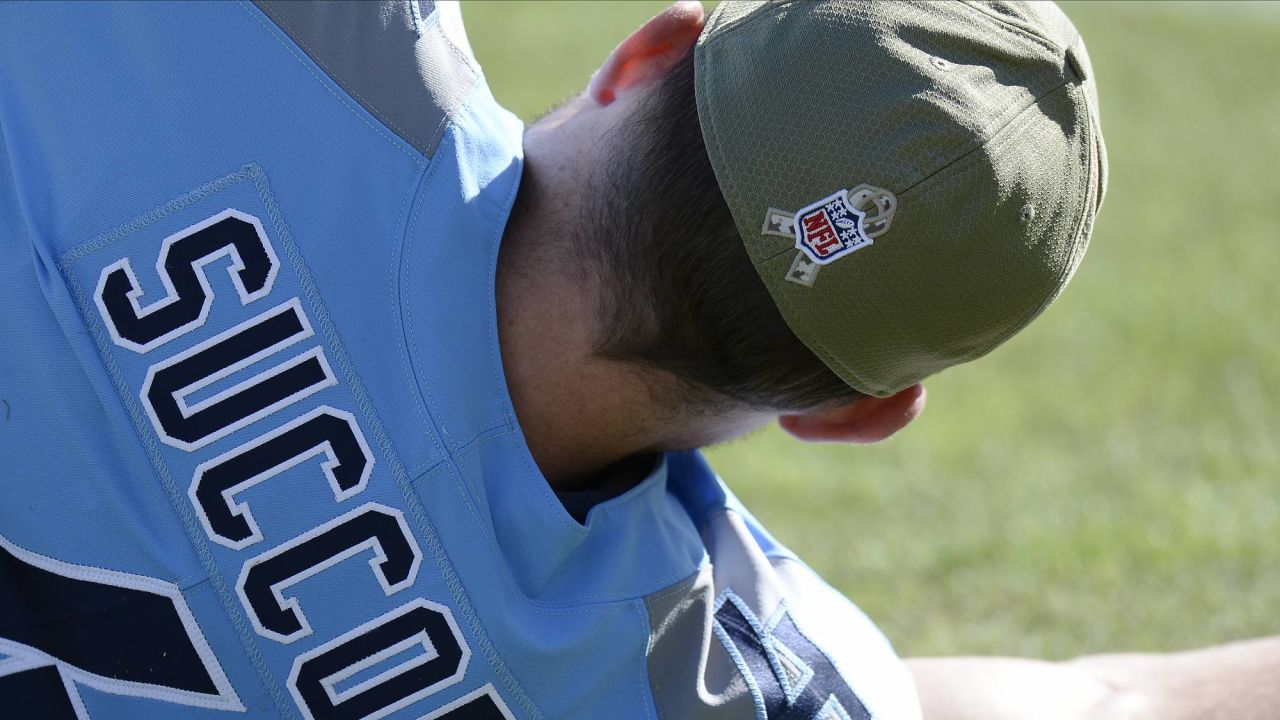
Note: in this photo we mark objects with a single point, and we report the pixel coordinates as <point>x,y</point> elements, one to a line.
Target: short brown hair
<point>678,292</point>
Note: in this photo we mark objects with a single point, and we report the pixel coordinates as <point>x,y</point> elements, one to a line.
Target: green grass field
<point>1110,479</point>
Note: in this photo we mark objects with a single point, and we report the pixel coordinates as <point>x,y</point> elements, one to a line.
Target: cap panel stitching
<point>706,113</point>
<point>1078,242</point>
<point>704,68</point>
<point>1018,29</point>
<point>745,21</point>
<point>842,368</point>
<point>986,140</point>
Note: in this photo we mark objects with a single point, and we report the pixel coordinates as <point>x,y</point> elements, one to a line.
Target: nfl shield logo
<point>830,228</point>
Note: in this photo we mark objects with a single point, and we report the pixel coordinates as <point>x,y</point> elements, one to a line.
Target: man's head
<point>656,223</point>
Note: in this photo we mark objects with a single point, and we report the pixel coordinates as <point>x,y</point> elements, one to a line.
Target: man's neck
<point>579,413</point>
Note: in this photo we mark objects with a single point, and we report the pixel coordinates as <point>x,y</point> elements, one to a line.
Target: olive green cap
<point>913,181</point>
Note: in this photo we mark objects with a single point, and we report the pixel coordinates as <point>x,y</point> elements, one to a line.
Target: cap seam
<point>1011,26</point>
<point>775,255</point>
<point>987,140</point>
<point>701,61</point>
<point>728,175</point>
<point>851,378</point>
<point>842,369</point>
<point>1004,24</point>
<point>1076,240</point>
<point>723,31</point>
<point>1090,182</point>
<point>705,108</point>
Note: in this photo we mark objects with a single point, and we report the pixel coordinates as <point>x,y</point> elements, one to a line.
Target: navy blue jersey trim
<point>37,690</point>
<point>94,626</point>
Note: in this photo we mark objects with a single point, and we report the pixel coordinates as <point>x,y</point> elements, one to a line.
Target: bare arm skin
<point>1239,681</point>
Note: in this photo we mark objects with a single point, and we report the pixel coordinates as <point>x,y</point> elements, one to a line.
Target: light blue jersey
<point>260,460</point>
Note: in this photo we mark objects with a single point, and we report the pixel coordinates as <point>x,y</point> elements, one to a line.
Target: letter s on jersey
<point>181,267</point>
<point>187,426</point>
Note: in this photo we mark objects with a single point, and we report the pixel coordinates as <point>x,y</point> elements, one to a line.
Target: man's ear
<point>649,53</point>
<point>866,420</point>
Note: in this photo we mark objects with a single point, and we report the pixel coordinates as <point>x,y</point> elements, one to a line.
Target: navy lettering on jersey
<point>170,381</point>
<point>38,690</point>
<point>123,634</point>
<point>483,706</point>
<point>790,676</point>
<point>181,267</point>
<point>325,431</point>
<point>368,527</point>
<point>418,624</point>
<point>225,370</point>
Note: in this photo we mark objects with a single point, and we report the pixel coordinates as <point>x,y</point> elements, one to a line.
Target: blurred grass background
<point>1110,479</point>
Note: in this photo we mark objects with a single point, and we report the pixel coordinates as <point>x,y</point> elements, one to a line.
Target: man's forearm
<point>1239,681</point>
<point>996,688</point>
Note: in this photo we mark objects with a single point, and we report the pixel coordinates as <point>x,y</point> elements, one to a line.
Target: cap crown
<point>972,130</point>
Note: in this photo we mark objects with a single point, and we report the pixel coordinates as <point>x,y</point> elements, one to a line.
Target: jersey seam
<point>496,374</point>
<point>315,58</point>
<point>428,472</point>
<point>472,449</point>
<point>396,142</point>
<point>413,504</point>
<point>677,587</point>
<point>492,431</point>
<point>583,603</point>
<point>646,688</point>
<point>439,435</point>
<point>176,498</point>
<point>682,587</point>
<point>447,120</point>
<point>450,576</point>
<point>426,397</point>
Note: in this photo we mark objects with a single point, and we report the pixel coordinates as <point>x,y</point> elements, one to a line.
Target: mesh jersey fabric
<point>261,460</point>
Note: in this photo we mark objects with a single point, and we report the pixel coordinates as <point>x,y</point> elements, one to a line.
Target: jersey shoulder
<point>409,63</point>
<point>784,642</point>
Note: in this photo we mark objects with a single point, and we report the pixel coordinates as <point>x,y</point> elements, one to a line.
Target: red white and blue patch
<point>830,228</point>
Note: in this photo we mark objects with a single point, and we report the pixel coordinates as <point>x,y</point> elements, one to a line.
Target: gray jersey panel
<point>690,673</point>
<point>411,75</point>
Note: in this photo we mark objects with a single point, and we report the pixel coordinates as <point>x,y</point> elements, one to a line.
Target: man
<point>288,436</point>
